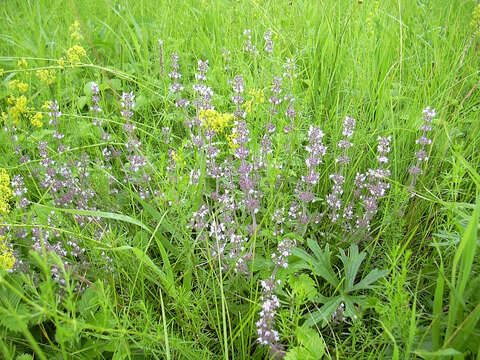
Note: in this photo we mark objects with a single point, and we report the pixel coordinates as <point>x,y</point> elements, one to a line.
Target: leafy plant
<point>455,331</point>
<point>346,287</point>
<point>310,345</point>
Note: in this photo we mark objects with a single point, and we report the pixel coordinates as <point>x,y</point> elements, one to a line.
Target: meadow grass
<point>120,270</point>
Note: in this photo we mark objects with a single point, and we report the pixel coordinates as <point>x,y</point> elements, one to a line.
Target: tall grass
<point>152,286</point>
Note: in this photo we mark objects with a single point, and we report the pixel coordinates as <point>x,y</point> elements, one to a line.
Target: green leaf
<point>320,264</point>
<point>81,102</point>
<point>298,353</point>
<point>303,286</point>
<point>9,321</point>
<point>87,89</point>
<point>24,357</point>
<point>310,339</point>
<point>102,214</point>
<point>115,84</point>
<point>351,265</point>
<point>89,301</point>
<point>435,354</point>
<point>64,333</point>
<point>141,101</point>
<point>325,312</point>
<point>367,281</point>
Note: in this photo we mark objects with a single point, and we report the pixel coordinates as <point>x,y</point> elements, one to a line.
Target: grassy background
<point>379,62</point>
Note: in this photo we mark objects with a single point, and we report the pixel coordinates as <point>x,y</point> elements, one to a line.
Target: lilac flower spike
<point>334,199</point>
<point>248,46</point>
<point>238,89</point>
<point>374,183</point>
<point>204,92</point>
<point>266,333</point>
<point>268,41</point>
<point>421,155</point>
<point>95,98</point>
<point>127,104</point>
<point>54,113</point>
<point>175,75</point>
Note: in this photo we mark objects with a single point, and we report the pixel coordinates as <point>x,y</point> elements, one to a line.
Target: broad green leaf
<point>81,102</point>
<point>351,265</point>
<point>298,353</point>
<point>310,339</point>
<point>88,301</point>
<point>324,314</point>
<point>367,281</point>
<point>24,357</point>
<point>303,286</point>
<point>320,264</point>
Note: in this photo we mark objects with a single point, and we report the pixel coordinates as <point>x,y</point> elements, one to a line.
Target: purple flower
<point>268,41</point>
<point>421,155</point>
<point>127,104</point>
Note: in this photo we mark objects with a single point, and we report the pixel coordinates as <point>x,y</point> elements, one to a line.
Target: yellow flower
<point>13,84</point>
<point>215,120</point>
<point>11,100</point>
<point>178,158</point>
<point>47,76</point>
<point>5,192</point>
<point>230,139</point>
<point>7,259</point>
<point>75,31</point>
<point>18,109</point>
<point>75,53</point>
<point>46,105</point>
<point>4,117</point>
<point>61,62</point>
<point>476,16</point>
<point>257,98</point>
<point>248,106</point>
<point>1,72</point>
<point>22,63</point>
<point>22,87</point>
<point>36,120</point>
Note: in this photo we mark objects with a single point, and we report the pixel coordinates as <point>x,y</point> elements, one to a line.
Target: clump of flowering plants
<point>238,194</point>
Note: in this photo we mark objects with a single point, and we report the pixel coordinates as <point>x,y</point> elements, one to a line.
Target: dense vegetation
<point>256,179</point>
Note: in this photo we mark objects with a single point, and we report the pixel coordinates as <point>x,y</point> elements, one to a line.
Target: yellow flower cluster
<point>22,63</point>
<point>75,53</point>
<point>46,105</point>
<point>18,108</point>
<point>61,62</point>
<point>75,33</point>
<point>36,119</point>
<point>215,120</point>
<point>47,76</point>
<point>1,72</point>
<point>476,17</point>
<point>17,85</point>
<point>178,158</point>
<point>230,139</point>
<point>256,97</point>
<point>5,192</point>
<point>7,260</point>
